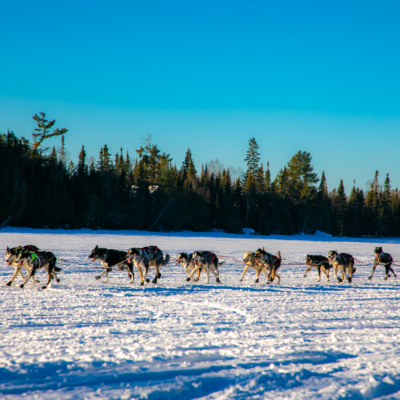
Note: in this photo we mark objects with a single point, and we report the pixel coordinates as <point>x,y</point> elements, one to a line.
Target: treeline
<point>40,188</point>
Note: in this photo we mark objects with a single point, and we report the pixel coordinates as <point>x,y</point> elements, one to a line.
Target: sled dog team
<point>31,258</point>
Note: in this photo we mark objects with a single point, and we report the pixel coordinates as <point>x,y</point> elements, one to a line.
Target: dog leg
<point>106,280</point>
<point>387,269</point>
<point>325,272</point>
<point>244,272</point>
<point>336,274</point>
<point>130,273</point>
<point>99,276</point>
<point>31,272</point>
<point>196,268</point>
<point>279,278</point>
<point>307,270</point>
<point>140,273</point>
<point>56,277</point>
<point>372,272</point>
<point>15,274</point>
<point>391,269</point>
<point>157,273</point>
<point>215,270</point>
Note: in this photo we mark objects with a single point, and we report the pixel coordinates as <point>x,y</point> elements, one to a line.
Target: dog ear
<point>263,248</point>
<point>8,249</point>
<point>97,247</point>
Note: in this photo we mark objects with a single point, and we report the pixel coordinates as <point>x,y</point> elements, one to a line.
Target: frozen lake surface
<point>177,340</point>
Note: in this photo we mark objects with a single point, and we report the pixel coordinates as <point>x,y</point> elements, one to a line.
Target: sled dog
<point>342,262</point>
<point>208,262</point>
<point>37,260</point>
<point>185,260</point>
<point>384,259</point>
<point>110,258</point>
<point>251,262</point>
<point>145,258</point>
<point>271,262</point>
<point>11,260</point>
<point>318,262</point>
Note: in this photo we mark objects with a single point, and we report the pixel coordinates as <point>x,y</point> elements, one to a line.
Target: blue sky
<point>316,76</point>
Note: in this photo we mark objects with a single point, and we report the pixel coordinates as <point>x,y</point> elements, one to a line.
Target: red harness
<point>211,254</point>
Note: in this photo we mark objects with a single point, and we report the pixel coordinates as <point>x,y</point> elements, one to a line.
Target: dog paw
<point>217,280</point>
<point>370,277</point>
<point>44,287</point>
<point>58,280</point>
<point>97,278</point>
<point>154,280</point>
<point>305,276</point>
<point>241,280</point>
<point>385,278</point>
<point>159,275</point>
<point>21,286</point>
<point>147,280</point>
<point>349,280</point>
<point>340,280</point>
<point>187,279</point>
<point>141,283</point>
<point>9,283</point>
<point>256,281</point>
<point>354,270</point>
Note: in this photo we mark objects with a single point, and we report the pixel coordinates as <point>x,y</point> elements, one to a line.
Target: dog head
<point>248,257</point>
<point>12,254</point>
<point>197,256</point>
<point>182,258</point>
<point>260,254</point>
<point>24,254</point>
<point>132,253</point>
<point>95,254</point>
<point>332,255</point>
<point>378,250</point>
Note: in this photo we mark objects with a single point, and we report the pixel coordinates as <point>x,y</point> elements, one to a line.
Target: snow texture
<point>84,339</point>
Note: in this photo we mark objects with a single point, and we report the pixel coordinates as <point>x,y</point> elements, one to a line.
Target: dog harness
<point>211,254</point>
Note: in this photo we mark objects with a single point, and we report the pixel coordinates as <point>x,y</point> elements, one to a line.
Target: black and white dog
<point>37,260</point>
<point>110,258</point>
<point>384,259</point>
<point>207,261</point>
<point>250,262</point>
<point>145,258</point>
<point>318,262</point>
<point>270,262</point>
<point>11,260</point>
<point>342,262</point>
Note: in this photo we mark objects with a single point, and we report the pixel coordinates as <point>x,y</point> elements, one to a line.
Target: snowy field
<point>177,340</point>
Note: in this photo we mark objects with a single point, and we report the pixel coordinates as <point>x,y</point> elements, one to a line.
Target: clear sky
<point>209,75</point>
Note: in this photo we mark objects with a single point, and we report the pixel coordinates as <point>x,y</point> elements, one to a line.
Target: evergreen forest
<point>41,188</point>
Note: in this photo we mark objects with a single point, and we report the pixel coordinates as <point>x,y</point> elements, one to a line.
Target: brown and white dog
<point>270,262</point>
<point>207,261</point>
<point>342,262</point>
<point>318,262</point>
<point>185,260</point>
<point>251,262</point>
<point>145,258</point>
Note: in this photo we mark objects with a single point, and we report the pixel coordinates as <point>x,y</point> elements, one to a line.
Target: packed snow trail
<point>176,340</point>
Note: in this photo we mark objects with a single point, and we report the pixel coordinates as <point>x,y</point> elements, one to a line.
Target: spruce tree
<point>252,158</point>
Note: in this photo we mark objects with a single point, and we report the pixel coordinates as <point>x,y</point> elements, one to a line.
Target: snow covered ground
<point>176,340</point>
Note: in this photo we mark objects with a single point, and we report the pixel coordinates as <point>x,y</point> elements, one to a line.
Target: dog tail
<point>57,269</point>
<point>220,263</point>
<point>166,261</point>
<point>279,255</point>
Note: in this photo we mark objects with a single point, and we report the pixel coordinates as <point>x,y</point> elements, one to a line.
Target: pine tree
<point>252,158</point>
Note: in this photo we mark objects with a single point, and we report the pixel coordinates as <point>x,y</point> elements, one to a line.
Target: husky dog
<point>342,262</point>
<point>109,258</point>
<point>36,260</point>
<point>186,261</point>
<point>318,262</point>
<point>251,262</point>
<point>11,259</point>
<point>270,262</point>
<point>208,262</point>
<point>384,259</point>
<point>145,258</point>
